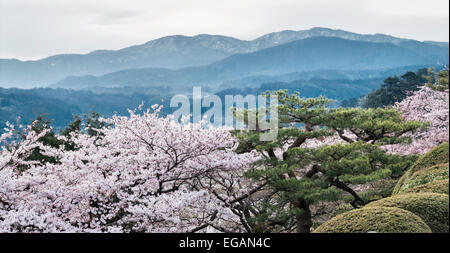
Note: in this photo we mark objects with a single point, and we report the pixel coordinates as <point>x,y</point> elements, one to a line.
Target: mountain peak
<point>176,52</point>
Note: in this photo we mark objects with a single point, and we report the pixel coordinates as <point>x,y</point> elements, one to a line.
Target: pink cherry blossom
<point>144,173</point>
<point>426,105</point>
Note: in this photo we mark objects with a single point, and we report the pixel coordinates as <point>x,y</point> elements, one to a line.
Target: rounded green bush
<point>376,219</point>
<point>433,208</point>
<point>437,155</point>
<point>425,176</point>
<point>438,186</point>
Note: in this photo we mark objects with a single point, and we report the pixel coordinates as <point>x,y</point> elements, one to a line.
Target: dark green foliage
<point>379,125</point>
<point>395,89</point>
<point>93,123</point>
<point>351,102</point>
<point>437,186</point>
<point>378,219</point>
<point>424,176</point>
<point>304,175</point>
<point>50,139</point>
<point>437,155</point>
<point>74,126</point>
<point>433,208</point>
<point>438,81</point>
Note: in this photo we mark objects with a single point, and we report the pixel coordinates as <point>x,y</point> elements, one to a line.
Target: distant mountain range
<point>311,54</point>
<point>320,61</point>
<point>208,58</point>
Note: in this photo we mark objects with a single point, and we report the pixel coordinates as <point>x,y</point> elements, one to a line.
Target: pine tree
<point>395,89</point>
<point>42,123</point>
<point>438,81</point>
<point>319,155</point>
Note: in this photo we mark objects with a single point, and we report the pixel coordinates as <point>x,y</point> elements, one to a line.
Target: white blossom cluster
<point>144,173</point>
<point>426,105</point>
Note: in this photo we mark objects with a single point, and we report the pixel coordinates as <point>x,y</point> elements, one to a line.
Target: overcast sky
<point>31,29</point>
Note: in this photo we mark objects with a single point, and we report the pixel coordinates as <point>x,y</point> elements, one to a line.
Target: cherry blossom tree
<point>141,173</point>
<point>426,105</point>
<point>147,173</point>
<point>17,213</point>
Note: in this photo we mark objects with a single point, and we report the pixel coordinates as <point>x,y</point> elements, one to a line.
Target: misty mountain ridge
<point>311,54</point>
<point>176,52</point>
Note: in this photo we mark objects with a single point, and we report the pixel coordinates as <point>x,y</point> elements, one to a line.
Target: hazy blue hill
<point>320,53</point>
<point>312,54</point>
<point>437,43</point>
<point>61,104</point>
<point>128,77</point>
<point>325,74</point>
<point>28,105</point>
<point>278,38</point>
<point>171,52</point>
<point>436,51</point>
<point>331,88</point>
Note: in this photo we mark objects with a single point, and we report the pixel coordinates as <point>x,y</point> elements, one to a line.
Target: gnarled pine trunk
<point>304,221</point>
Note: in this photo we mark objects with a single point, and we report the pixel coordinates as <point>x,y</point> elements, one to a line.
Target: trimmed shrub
<point>437,155</point>
<point>433,208</point>
<point>425,176</point>
<point>376,219</point>
<point>438,186</point>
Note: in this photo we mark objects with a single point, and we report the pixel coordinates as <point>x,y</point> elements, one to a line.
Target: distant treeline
<point>395,89</point>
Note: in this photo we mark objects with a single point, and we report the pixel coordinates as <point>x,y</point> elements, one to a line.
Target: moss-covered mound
<point>437,155</point>
<point>425,176</point>
<point>433,208</point>
<point>376,219</point>
<point>438,186</point>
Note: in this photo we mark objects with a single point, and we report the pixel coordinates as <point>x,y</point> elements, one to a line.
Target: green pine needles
<point>321,154</point>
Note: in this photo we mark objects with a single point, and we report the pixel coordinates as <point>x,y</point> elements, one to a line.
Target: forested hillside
<point>395,88</point>
<point>60,105</point>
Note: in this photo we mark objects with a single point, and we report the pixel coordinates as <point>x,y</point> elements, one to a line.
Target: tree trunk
<point>304,221</point>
